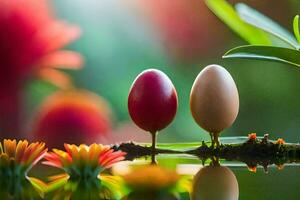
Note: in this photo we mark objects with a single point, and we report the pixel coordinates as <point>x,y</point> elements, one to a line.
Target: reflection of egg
<point>215,183</point>
<point>152,100</point>
<point>214,99</point>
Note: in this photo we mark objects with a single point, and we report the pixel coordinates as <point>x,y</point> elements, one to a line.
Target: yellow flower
<point>21,154</point>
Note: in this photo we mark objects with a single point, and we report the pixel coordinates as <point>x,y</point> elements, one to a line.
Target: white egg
<point>214,99</point>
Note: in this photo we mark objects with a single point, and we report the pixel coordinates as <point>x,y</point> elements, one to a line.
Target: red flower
<point>30,39</point>
<point>73,117</point>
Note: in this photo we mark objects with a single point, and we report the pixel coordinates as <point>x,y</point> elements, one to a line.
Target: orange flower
<point>72,117</point>
<point>22,154</point>
<point>252,168</point>
<point>252,136</point>
<point>84,161</point>
<point>280,141</point>
<point>30,42</point>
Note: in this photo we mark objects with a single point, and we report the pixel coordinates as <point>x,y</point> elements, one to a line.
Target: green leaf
<point>257,19</point>
<point>229,16</point>
<point>277,54</point>
<point>296,27</point>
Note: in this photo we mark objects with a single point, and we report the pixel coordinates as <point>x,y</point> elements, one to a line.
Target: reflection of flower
<point>84,162</point>
<point>151,176</point>
<point>72,117</point>
<point>151,182</point>
<point>30,39</point>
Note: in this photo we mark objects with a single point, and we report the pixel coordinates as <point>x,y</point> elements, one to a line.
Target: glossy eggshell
<point>215,183</point>
<point>214,99</point>
<point>152,100</point>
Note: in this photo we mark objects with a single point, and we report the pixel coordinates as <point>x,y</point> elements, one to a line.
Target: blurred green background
<point>122,38</point>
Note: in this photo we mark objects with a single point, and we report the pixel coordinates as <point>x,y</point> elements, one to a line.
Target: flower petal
<point>10,147</point>
<point>61,59</point>
<point>56,77</point>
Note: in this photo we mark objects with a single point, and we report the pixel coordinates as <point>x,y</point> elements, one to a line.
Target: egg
<point>152,100</point>
<point>214,99</point>
<point>215,183</point>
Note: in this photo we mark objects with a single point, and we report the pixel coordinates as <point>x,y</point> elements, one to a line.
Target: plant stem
<point>216,139</point>
<point>215,161</point>
<point>212,140</point>
<point>153,151</point>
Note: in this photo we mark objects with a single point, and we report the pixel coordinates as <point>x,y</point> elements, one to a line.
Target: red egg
<point>152,100</point>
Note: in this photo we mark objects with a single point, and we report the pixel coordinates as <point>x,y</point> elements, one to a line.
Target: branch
<point>253,152</point>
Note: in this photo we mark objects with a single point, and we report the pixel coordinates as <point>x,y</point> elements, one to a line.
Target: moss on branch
<point>253,152</point>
